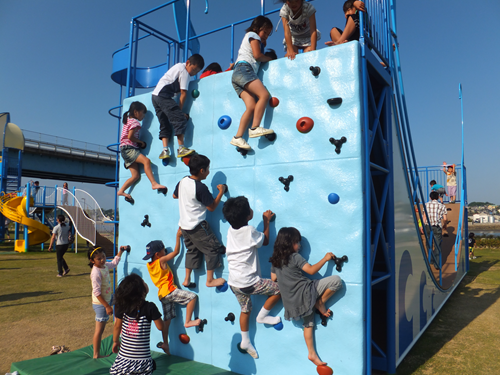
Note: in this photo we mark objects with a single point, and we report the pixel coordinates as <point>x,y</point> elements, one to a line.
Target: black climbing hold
<point>324,319</point>
<point>191,285</point>
<point>159,345</point>
<point>334,101</point>
<point>315,70</point>
<point>340,262</point>
<point>271,137</point>
<point>338,143</point>
<point>146,222</point>
<point>230,317</point>
<point>165,162</point>
<point>125,248</point>
<point>225,188</point>
<point>242,351</point>
<point>143,145</point>
<point>202,324</point>
<point>242,151</point>
<point>286,182</point>
<point>163,191</point>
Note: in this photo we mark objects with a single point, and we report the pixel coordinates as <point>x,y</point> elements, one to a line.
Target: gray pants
<point>438,235</point>
<point>202,241</point>
<point>333,283</point>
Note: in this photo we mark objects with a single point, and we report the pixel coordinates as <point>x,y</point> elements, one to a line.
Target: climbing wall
<point>317,170</point>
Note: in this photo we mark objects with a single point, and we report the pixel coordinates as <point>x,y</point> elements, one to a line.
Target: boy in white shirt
<point>169,113</point>
<point>243,241</point>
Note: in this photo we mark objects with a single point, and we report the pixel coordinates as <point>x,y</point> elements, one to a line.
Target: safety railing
<point>435,172</point>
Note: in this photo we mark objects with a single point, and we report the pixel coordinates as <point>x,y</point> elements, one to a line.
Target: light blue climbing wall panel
<point>317,170</point>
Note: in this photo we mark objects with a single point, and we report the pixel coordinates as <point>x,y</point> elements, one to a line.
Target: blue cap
<point>152,248</point>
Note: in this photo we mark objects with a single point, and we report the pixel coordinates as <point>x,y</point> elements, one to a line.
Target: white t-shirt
<point>194,197</point>
<point>299,27</point>
<point>245,52</point>
<point>242,255</point>
<point>173,81</point>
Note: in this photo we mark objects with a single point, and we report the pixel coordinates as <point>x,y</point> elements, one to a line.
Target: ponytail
<point>135,106</point>
<point>125,117</point>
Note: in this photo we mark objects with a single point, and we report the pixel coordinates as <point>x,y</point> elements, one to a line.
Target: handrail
<point>97,207</point>
<point>78,206</point>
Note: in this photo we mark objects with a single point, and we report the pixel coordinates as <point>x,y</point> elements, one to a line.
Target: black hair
<point>349,4</point>
<point>434,195</point>
<point>214,67</point>
<point>197,60</point>
<point>433,182</point>
<point>61,219</point>
<point>93,252</point>
<point>135,106</point>
<point>37,183</point>
<point>471,235</point>
<point>130,295</point>
<point>260,23</point>
<point>236,211</point>
<point>271,53</point>
<point>197,163</point>
<point>283,247</point>
<point>65,184</point>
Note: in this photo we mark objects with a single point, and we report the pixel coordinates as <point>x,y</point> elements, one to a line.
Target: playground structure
<point>359,153</point>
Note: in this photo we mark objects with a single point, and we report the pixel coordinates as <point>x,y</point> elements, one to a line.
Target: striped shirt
<point>132,123</point>
<point>436,212</point>
<point>136,332</point>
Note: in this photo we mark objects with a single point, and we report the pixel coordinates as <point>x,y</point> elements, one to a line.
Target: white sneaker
<point>241,143</point>
<point>259,132</point>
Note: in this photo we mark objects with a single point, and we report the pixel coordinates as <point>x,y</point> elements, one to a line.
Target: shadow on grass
<point>18,296</point>
<point>456,314</point>
<point>44,301</point>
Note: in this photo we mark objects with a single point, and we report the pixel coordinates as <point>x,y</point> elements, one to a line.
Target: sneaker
<point>184,151</point>
<point>474,257</point>
<point>259,132</point>
<point>66,272</point>
<point>59,275</point>
<point>241,143</point>
<point>165,154</point>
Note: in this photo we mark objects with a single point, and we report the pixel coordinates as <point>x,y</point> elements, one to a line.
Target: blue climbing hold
<point>224,122</point>
<point>279,326</point>
<point>333,198</point>
<point>223,287</point>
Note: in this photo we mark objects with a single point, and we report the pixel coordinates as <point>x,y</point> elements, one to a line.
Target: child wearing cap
<point>169,295</point>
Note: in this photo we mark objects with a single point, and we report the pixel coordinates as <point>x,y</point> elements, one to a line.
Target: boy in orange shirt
<point>169,295</point>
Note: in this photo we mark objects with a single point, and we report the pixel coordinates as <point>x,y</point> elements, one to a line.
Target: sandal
<point>129,200</point>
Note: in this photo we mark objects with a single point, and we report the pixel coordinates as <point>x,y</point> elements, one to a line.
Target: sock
<point>235,137</point>
<point>165,148</point>
<point>253,128</point>
<point>264,317</point>
<point>245,340</point>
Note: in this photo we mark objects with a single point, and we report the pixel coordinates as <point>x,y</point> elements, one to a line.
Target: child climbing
<point>168,293</point>
<point>102,291</point>
<point>246,83</point>
<point>60,235</point>
<point>168,111</point>
<point>133,317</point>
<point>438,189</point>
<point>129,149</point>
<point>300,295</point>
<point>299,23</point>
<point>351,28</point>
<point>194,201</point>
<point>451,181</point>
<point>243,242</point>
<point>472,244</point>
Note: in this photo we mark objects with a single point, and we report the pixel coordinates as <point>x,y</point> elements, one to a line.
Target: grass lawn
<point>39,310</point>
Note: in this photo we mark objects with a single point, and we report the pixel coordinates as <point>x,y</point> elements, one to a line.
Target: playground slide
<point>14,208</point>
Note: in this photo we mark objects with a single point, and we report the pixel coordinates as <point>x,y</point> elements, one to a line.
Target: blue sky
<point>56,63</point>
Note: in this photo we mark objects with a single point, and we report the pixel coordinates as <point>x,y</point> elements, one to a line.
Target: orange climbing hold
<point>324,370</point>
<point>305,124</point>
<point>273,102</point>
<point>184,338</point>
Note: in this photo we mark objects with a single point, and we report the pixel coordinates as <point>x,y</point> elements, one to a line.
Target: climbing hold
<point>223,287</point>
<point>324,319</point>
<point>324,370</point>
<point>202,324</point>
<point>186,160</point>
<point>191,285</point>
<point>125,248</point>
<point>338,143</point>
<point>242,151</point>
<point>305,124</point>
<point>278,326</point>
<point>286,182</point>
<point>333,198</point>
<point>334,101</point>
<point>159,345</point>
<point>143,145</point>
<point>146,222</point>
<point>270,137</point>
<point>163,191</point>
<point>195,93</point>
<point>230,317</point>
<point>241,350</point>
<point>340,262</point>
<point>184,338</point>
<point>273,217</point>
<point>224,122</point>
<point>165,161</point>
<point>315,70</point>
<point>273,102</point>
<point>225,188</point>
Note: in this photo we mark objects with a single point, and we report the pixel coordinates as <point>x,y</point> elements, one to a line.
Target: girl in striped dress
<point>133,316</point>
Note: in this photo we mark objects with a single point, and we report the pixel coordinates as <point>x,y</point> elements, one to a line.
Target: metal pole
<point>186,41</point>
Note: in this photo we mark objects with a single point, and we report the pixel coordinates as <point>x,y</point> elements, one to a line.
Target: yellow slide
<point>14,208</point>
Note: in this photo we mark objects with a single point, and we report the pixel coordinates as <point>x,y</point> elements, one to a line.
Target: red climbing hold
<point>184,338</point>
<point>324,370</point>
<point>186,159</point>
<point>305,124</point>
<point>273,102</point>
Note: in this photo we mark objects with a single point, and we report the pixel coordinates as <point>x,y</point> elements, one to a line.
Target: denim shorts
<point>100,313</point>
<point>243,74</point>
<point>129,155</point>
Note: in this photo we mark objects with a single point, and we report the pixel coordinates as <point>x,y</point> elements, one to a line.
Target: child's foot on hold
<point>250,350</point>
<point>259,132</point>
<point>268,319</point>
<point>241,143</point>
<point>157,186</point>
<point>165,348</point>
<point>192,323</point>
<point>215,282</point>
<point>320,305</point>
<point>315,359</point>
<point>165,154</point>
<point>120,194</point>
<point>183,151</point>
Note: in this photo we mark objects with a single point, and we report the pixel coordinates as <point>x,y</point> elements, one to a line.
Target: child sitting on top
<point>438,189</point>
<point>194,201</point>
<point>169,113</point>
<point>351,29</point>
<point>169,295</point>
<point>243,241</point>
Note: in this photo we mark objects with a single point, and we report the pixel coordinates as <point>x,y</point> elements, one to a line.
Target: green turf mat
<point>80,362</point>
